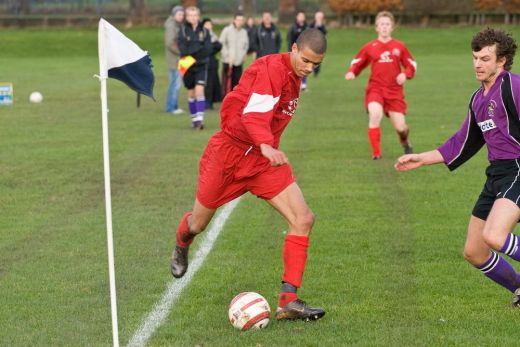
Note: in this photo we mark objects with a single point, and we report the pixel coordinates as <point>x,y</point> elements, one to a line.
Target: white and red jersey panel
<point>263,103</point>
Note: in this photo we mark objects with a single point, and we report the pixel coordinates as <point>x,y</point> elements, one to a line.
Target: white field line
<point>175,287</point>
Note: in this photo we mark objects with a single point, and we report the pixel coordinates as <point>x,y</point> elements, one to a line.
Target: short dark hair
<point>238,14</point>
<point>505,43</point>
<point>313,39</point>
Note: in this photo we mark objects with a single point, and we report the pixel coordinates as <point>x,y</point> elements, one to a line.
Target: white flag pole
<point>108,200</point>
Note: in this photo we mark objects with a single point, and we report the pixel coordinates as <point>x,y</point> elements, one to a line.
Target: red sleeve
<point>360,61</point>
<point>410,66</point>
<point>263,99</point>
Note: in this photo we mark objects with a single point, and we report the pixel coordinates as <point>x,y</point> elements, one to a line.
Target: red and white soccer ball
<point>249,310</point>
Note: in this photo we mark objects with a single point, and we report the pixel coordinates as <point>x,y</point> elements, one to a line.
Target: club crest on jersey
<point>491,108</point>
<point>385,57</point>
<point>291,107</point>
<point>396,52</point>
<point>487,125</point>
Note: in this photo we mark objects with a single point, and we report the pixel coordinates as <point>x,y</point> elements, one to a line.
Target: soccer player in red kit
<point>384,93</point>
<point>244,156</point>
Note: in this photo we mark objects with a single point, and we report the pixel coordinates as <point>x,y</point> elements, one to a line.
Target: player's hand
<point>350,76</point>
<point>276,157</point>
<point>408,162</point>
<point>401,78</point>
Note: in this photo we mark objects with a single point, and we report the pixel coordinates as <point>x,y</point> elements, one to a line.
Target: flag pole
<point>108,199</point>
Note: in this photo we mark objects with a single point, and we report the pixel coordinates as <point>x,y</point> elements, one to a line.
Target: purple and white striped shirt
<point>492,119</point>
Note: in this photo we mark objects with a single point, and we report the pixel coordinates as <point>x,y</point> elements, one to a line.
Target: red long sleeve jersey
<point>263,103</point>
<point>385,61</point>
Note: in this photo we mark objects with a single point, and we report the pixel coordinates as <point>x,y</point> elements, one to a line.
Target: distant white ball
<point>36,97</point>
<point>249,310</point>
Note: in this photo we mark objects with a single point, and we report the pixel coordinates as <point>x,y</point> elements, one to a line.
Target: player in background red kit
<point>244,156</point>
<point>384,93</point>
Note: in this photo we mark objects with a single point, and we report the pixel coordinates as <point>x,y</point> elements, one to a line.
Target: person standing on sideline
<point>384,94</point>
<point>268,39</point>
<point>319,23</point>
<point>171,45</point>
<point>244,156</point>
<point>292,35</point>
<point>212,90</point>
<point>234,51</point>
<point>492,120</point>
<point>251,29</point>
<point>195,41</point>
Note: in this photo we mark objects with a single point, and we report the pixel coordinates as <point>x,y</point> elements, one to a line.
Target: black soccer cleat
<point>516,299</point>
<point>298,309</point>
<point>376,157</point>
<point>408,148</point>
<point>179,261</point>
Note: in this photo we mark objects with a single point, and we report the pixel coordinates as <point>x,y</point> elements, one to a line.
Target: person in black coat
<point>212,91</point>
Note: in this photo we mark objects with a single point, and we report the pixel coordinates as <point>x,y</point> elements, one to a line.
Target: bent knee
<point>475,257</point>
<point>493,239</point>
<point>304,221</point>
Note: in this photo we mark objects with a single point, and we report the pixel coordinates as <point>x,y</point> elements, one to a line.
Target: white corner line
<point>175,287</point>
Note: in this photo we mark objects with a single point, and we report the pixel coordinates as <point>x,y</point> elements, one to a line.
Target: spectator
<point>319,23</point>
<point>234,50</point>
<point>171,45</point>
<point>212,91</point>
<point>251,29</point>
<point>268,40</point>
<point>292,35</point>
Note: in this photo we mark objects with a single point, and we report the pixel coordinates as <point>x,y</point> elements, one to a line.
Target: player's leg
<point>398,120</point>
<point>201,76</point>
<point>192,104</point>
<point>375,114</point>
<point>291,204</point>
<point>192,223</point>
<point>491,264</point>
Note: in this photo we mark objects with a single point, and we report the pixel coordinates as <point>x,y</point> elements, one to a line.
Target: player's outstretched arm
<point>276,157</point>
<point>413,161</point>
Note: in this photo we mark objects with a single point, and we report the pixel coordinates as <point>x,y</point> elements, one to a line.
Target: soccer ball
<point>36,97</point>
<point>249,310</point>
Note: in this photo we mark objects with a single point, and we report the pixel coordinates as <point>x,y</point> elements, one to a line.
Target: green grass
<point>385,258</point>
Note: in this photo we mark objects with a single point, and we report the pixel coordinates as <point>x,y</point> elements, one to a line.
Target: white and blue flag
<point>122,59</point>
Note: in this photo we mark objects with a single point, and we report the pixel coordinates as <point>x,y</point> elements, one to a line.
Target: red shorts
<point>391,102</point>
<point>228,169</point>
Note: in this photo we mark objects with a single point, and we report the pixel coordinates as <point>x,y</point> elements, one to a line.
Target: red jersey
<point>385,61</point>
<point>263,103</point>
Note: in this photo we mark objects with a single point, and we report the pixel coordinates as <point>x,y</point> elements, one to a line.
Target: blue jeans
<point>172,96</point>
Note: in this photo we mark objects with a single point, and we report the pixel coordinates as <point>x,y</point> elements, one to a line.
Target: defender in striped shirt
<point>492,120</point>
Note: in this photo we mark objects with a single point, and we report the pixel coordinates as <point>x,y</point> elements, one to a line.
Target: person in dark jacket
<point>319,23</point>
<point>251,29</point>
<point>195,41</point>
<point>292,35</point>
<point>268,40</point>
<point>212,91</point>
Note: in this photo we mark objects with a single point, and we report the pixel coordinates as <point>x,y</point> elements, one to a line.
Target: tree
<point>483,6</point>
<point>248,7</point>
<point>512,8</point>
<point>138,13</point>
<point>186,3</point>
<point>287,10</point>
<point>363,7</point>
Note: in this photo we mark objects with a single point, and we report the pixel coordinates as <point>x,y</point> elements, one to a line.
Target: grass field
<point>386,252</point>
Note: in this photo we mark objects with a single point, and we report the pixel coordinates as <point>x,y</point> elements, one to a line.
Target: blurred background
<point>22,13</point>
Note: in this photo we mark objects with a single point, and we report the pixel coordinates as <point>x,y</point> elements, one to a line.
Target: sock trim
<point>490,264</point>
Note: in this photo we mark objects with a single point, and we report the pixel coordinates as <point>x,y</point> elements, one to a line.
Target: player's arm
<point>413,161</point>
<point>409,63</point>
<point>360,61</point>
<point>259,111</point>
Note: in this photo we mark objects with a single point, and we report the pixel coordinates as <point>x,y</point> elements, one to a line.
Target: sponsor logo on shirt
<point>396,52</point>
<point>491,108</point>
<point>291,107</point>
<point>385,57</point>
<point>487,125</point>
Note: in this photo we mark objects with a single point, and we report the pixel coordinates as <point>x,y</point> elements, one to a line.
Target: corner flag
<point>122,59</point>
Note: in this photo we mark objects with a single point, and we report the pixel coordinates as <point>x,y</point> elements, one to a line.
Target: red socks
<point>374,135</point>
<point>286,298</point>
<point>184,238</point>
<point>294,258</point>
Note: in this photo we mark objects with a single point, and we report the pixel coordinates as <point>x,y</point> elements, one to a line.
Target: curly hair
<point>505,44</point>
